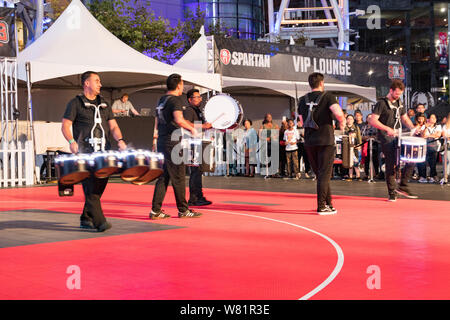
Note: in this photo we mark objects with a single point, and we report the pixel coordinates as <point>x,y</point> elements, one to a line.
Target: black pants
<point>390,160</point>
<point>174,173</point>
<point>321,159</point>
<point>93,189</point>
<point>302,154</point>
<point>431,159</point>
<point>195,184</point>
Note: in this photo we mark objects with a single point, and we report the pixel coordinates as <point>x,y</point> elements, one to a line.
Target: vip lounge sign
<point>7,33</point>
<point>261,60</point>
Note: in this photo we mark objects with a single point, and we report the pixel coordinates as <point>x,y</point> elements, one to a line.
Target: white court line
<point>326,282</point>
<point>338,249</point>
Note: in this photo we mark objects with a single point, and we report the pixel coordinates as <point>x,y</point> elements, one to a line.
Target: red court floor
<point>247,245</point>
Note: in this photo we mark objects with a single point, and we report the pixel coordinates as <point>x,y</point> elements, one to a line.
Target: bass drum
<point>223,112</point>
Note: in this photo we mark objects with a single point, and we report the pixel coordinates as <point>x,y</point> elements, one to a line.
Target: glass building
<point>413,30</point>
<point>243,19</point>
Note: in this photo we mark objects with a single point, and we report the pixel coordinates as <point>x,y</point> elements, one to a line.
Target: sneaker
<point>423,180</point>
<point>326,211</point>
<point>392,197</point>
<point>406,193</point>
<point>189,214</point>
<point>104,226</point>
<point>307,175</point>
<point>87,224</point>
<point>443,181</point>
<point>331,207</point>
<point>201,202</point>
<point>154,215</point>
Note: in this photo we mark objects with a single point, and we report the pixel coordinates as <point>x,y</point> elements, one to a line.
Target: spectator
<point>368,132</point>
<point>267,131</point>
<point>302,151</point>
<point>432,133</point>
<point>359,120</point>
<point>446,134</point>
<point>291,138</point>
<point>411,115</point>
<point>352,130</point>
<point>419,129</point>
<point>251,145</point>
<point>282,150</point>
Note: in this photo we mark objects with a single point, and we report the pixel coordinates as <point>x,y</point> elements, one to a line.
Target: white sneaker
<point>431,180</point>
<point>423,180</point>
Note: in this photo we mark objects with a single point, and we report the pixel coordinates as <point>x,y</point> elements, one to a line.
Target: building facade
<point>416,31</point>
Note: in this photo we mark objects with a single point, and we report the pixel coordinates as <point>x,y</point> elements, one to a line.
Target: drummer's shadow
<point>39,225</point>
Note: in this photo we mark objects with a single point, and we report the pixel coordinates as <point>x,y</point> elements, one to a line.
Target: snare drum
<point>155,169</point>
<point>104,163</point>
<point>223,112</point>
<point>72,169</point>
<point>135,163</point>
<point>413,149</point>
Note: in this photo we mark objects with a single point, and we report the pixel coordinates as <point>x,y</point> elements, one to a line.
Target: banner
<point>261,60</point>
<point>7,33</point>
<point>441,50</point>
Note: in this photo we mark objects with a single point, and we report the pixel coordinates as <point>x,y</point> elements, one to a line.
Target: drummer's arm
<point>374,121</point>
<point>407,121</point>
<point>183,123</point>
<point>338,114</point>
<point>67,133</point>
<point>117,134</point>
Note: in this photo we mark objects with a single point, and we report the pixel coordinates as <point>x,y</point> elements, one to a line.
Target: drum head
<point>133,173</point>
<point>105,172</point>
<point>74,178</point>
<point>223,112</point>
<point>149,176</point>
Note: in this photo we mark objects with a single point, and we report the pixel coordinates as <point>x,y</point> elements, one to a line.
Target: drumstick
<point>220,116</point>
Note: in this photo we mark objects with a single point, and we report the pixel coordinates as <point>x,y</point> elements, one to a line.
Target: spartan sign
<point>4,33</point>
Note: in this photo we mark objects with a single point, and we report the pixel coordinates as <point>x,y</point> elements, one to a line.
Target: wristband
<point>121,139</point>
<point>71,141</point>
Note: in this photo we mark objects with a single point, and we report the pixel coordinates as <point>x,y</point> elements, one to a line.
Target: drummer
<point>169,118</point>
<point>194,115</point>
<point>388,116</point>
<point>80,119</point>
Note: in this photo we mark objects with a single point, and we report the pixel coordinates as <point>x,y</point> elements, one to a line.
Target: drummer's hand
<point>391,132</point>
<point>74,147</point>
<point>207,125</point>
<point>194,132</point>
<point>122,145</point>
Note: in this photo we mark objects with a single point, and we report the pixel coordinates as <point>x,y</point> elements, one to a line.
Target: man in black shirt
<point>316,111</point>
<point>193,114</point>
<point>79,118</point>
<point>169,118</point>
<point>388,116</point>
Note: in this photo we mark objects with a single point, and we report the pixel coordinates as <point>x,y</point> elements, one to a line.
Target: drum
<point>155,169</point>
<point>72,169</point>
<point>199,153</point>
<point>135,163</point>
<point>223,112</point>
<point>104,163</point>
<point>413,149</point>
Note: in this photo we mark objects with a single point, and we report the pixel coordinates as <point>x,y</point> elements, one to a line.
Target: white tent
<point>77,42</point>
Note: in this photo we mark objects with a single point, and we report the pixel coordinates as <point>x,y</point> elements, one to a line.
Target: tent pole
<point>30,130</point>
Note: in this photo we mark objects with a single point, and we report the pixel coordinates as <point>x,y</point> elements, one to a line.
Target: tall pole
<point>39,18</point>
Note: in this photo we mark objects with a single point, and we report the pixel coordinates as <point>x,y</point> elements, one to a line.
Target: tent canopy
<point>77,42</point>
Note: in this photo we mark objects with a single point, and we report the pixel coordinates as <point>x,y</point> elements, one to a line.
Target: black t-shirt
<point>83,122</point>
<point>167,104</point>
<point>324,136</point>
<point>193,114</point>
<point>388,117</point>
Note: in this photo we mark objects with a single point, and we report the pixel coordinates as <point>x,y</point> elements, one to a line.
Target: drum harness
<point>98,144</point>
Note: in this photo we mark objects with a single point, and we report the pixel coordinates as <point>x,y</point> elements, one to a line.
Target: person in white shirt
<point>291,137</point>
<point>122,107</point>
<point>445,132</point>
<point>432,133</point>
